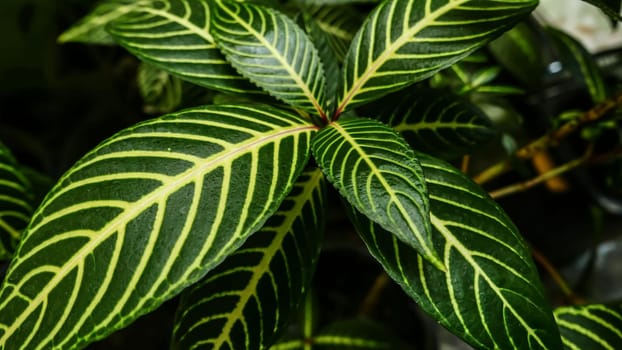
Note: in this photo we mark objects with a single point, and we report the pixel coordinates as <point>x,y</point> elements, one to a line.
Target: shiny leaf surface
<point>248,299</point>
<point>145,214</point>
<point>376,171</point>
<point>490,294</point>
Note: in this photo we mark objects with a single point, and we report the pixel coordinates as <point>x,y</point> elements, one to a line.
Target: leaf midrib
<point>429,18</point>
<point>439,224</point>
<point>234,152</point>
<point>430,255</point>
<point>276,54</point>
<point>268,253</point>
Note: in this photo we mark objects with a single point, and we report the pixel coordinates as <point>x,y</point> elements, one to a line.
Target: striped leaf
<point>360,334</point>
<point>339,23</point>
<point>145,214</point>
<point>436,121</point>
<point>591,327</point>
<point>340,335</point>
<point>329,60</point>
<point>374,169</point>
<point>272,51</point>
<point>91,28</point>
<point>490,294</point>
<point>404,41</point>
<point>247,300</point>
<point>580,64</point>
<point>161,92</point>
<point>174,35</point>
<point>16,203</point>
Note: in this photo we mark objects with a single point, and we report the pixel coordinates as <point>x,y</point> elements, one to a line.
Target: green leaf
<point>355,334</point>
<point>404,41</point>
<point>173,35</point>
<point>581,64</point>
<point>340,335</point>
<point>525,51</point>
<point>490,294</point>
<point>145,214</point>
<point>436,121</point>
<point>161,92</point>
<point>329,60</point>
<point>247,300</point>
<point>272,51</point>
<point>91,28</point>
<point>16,203</point>
<point>339,23</point>
<point>376,171</point>
<point>611,8</point>
<point>591,327</point>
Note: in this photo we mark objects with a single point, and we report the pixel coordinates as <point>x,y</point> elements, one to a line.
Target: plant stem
<point>372,297</point>
<point>559,280</point>
<point>522,186</point>
<point>550,139</point>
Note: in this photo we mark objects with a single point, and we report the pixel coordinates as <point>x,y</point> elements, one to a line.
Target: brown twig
<point>372,297</point>
<point>522,186</point>
<point>550,139</point>
<point>558,279</point>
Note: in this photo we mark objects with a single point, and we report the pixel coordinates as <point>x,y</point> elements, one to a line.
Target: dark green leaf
<point>591,327</point>
<point>247,300</point>
<point>611,8</point>
<point>161,92</point>
<point>436,121</point>
<point>91,28</point>
<point>145,214</point>
<point>329,60</point>
<point>490,294</point>
<point>272,51</point>
<point>173,35</point>
<point>580,64</point>
<point>340,23</point>
<point>404,41</point>
<point>16,203</point>
<point>376,171</point>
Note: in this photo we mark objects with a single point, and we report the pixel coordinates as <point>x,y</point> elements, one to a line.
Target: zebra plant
<point>225,203</point>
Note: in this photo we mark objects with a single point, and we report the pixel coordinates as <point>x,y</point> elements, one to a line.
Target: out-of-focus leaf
<point>592,327</point>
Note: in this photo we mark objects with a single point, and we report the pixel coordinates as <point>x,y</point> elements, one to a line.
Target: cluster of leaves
<point>225,203</point>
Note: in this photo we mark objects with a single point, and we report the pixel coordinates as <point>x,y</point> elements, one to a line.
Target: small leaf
<point>329,60</point>
<point>173,35</point>
<point>145,214</point>
<point>355,334</point>
<point>248,299</point>
<point>16,203</point>
<point>376,171</point>
<point>339,23</point>
<point>161,92</point>
<point>581,64</point>
<point>91,28</point>
<point>590,326</point>
<point>272,51</point>
<point>437,122</point>
<point>490,294</point>
<point>405,41</point>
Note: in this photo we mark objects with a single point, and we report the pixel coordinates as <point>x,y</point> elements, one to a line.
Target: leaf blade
<point>489,276</point>
<point>404,41</point>
<point>374,169</point>
<point>436,122</point>
<point>16,203</point>
<point>593,326</point>
<point>273,52</point>
<point>273,269</point>
<point>105,248</point>
<point>173,35</point>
